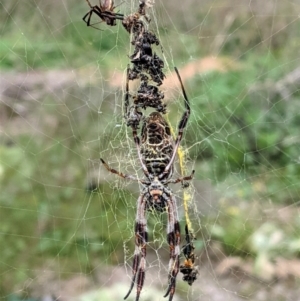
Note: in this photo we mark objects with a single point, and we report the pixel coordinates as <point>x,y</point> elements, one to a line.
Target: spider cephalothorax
<point>156,150</point>
<point>156,195</point>
<point>105,11</point>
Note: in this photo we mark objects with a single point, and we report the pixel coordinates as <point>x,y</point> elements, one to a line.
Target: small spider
<point>156,150</point>
<point>105,11</point>
<point>188,269</point>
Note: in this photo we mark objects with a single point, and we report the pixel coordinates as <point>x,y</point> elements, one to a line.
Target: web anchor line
<point>157,146</point>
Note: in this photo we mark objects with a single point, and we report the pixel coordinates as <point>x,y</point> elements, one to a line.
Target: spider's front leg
<point>141,238</point>
<point>120,174</point>
<point>87,17</point>
<point>181,127</point>
<point>174,243</point>
<point>184,180</point>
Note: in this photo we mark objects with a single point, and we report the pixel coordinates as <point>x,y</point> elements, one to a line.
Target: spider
<point>156,151</point>
<point>105,11</point>
<point>188,269</point>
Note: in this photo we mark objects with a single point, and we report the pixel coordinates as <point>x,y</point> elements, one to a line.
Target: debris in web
<point>188,268</point>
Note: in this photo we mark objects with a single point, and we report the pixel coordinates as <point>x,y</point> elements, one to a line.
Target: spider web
<point>67,225</point>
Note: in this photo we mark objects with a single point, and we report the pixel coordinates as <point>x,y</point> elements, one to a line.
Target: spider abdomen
<point>156,164</point>
<point>157,143</point>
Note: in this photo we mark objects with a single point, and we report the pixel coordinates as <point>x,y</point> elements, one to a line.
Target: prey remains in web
<point>188,268</point>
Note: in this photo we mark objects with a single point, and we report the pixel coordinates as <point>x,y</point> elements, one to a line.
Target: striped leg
<point>187,178</point>
<point>120,174</point>
<point>174,243</point>
<point>181,127</point>
<point>139,258</point>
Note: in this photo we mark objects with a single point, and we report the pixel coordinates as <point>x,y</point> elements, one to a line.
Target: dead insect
<point>188,269</point>
<point>105,11</point>
<point>149,96</point>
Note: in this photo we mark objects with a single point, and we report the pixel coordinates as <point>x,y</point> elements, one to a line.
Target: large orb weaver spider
<point>105,11</point>
<point>156,151</point>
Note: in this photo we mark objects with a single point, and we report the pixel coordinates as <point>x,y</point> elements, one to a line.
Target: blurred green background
<point>61,110</point>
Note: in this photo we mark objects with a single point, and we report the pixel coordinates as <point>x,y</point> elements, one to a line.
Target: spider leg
<point>181,126</point>
<point>173,237</point>
<point>88,2</point>
<point>120,174</point>
<point>92,25</point>
<point>141,238</point>
<point>187,178</point>
<point>98,12</point>
<point>118,16</point>
<point>89,14</point>
<point>114,16</point>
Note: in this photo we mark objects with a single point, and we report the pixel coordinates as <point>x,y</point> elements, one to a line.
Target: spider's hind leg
<point>184,180</point>
<point>174,243</point>
<point>141,238</point>
<point>89,15</point>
